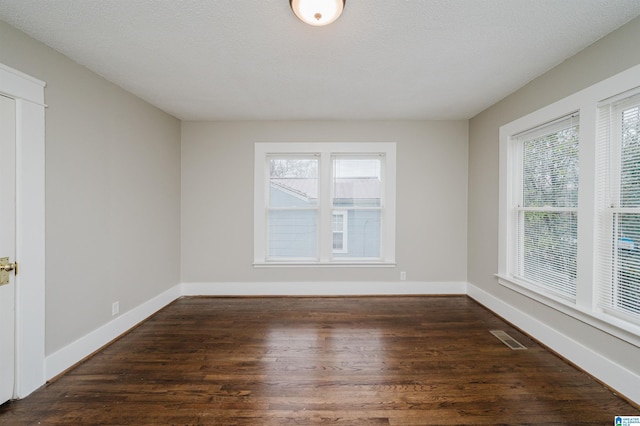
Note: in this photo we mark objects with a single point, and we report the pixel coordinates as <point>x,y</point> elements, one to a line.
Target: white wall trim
<point>19,85</point>
<point>615,376</point>
<point>71,354</point>
<point>351,288</point>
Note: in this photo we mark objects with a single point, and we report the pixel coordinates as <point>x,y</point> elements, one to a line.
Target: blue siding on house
<point>363,234</point>
<point>293,233</point>
<point>279,197</point>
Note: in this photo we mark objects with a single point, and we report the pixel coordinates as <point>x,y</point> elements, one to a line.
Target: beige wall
<point>612,54</point>
<point>217,198</point>
<point>112,193</point>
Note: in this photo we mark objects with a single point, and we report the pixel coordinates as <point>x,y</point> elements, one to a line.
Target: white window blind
<point>618,206</point>
<point>578,254</point>
<point>544,245</point>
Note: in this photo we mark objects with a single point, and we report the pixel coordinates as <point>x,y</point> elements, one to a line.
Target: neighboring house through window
<point>324,203</point>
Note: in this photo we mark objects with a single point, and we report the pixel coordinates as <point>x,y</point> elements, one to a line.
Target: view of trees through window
<point>570,206</point>
<point>548,217</point>
<point>627,218</point>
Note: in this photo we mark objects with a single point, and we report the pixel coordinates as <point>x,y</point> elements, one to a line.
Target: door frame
<point>28,93</point>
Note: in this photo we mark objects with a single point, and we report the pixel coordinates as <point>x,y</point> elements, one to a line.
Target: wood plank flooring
<point>304,361</point>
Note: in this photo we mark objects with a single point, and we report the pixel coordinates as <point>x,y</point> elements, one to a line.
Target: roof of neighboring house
<point>351,187</point>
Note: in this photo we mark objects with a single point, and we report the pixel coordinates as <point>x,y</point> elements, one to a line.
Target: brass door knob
<point>8,267</point>
<point>5,268</point>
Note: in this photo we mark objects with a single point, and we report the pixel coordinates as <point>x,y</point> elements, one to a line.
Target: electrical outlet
<point>403,276</point>
<point>115,308</point>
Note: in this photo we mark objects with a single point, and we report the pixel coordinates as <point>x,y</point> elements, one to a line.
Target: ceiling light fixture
<point>317,12</point>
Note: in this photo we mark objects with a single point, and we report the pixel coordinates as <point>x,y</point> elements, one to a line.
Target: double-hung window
<point>569,194</point>
<point>618,207</point>
<point>324,204</point>
<point>545,207</point>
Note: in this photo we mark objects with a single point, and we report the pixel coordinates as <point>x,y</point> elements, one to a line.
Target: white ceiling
<point>382,59</point>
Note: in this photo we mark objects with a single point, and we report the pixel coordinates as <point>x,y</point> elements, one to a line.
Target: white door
<point>7,245</point>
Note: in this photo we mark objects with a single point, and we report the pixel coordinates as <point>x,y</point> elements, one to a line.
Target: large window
<point>618,202</point>
<point>545,205</point>
<point>569,216</point>
<point>324,204</point>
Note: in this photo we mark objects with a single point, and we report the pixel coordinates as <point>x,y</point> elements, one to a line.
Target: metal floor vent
<point>508,340</point>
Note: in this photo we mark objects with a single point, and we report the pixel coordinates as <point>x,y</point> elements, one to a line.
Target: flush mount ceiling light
<point>317,12</point>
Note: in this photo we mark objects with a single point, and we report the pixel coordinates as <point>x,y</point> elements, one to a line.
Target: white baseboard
<point>615,376</point>
<point>351,288</point>
<point>71,354</point>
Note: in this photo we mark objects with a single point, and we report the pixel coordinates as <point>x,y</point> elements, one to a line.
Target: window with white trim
<point>545,206</point>
<point>569,205</point>
<point>618,207</point>
<point>324,204</point>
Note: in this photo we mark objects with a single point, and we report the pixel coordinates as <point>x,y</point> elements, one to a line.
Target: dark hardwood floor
<point>351,361</point>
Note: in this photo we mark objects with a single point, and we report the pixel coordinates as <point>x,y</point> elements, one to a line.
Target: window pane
<point>549,248</point>
<point>338,222</point>
<point>293,182</point>
<point>627,292</point>
<point>338,241</point>
<point>363,234</point>
<point>357,182</point>
<point>292,233</point>
<point>630,168</point>
<point>546,228</point>
<point>550,169</point>
<point>618,198</point>
<point>338,227</point>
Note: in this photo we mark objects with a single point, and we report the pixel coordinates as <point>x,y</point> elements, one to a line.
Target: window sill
<point>290,264</point>
<point>609,324</point>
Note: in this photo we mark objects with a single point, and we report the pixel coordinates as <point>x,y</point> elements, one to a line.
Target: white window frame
<point>584,307</point>
<point>608,187</point>
<point>344,231</point>
<point>517,208</point>
<point>325,151</point>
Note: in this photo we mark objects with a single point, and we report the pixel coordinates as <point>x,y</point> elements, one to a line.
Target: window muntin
<point>546,207</point>
<point>297,213</point>
<point>618,231</point>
